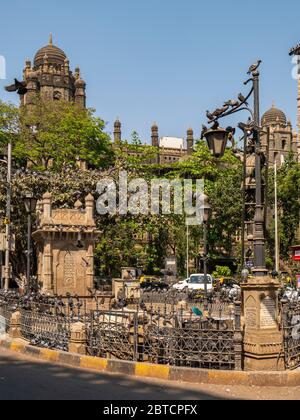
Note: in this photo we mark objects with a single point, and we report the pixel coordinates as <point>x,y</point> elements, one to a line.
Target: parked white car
<point>195,282</point>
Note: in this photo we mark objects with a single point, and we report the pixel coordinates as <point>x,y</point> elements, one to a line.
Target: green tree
<point>9,123</point>
<point>289,206</point>
<point>57,133</point>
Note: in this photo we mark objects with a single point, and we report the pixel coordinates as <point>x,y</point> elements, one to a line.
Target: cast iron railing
<point>9,302</point>
<point>291,334</point>
<point>46,330</point>
<point>179,338</point>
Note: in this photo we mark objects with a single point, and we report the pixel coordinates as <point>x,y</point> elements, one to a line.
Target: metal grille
<point>6,312</point>
<point>191,342</point>
<point>180,338</point>
<point>46,330</point>
<point>291,331</point>
<point>112,335</point>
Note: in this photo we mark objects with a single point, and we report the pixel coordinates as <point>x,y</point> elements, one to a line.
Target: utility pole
<point>187,251</point>
<point>7,273</point>
<point>277,250</point>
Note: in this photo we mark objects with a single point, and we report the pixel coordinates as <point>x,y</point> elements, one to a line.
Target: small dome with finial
<point>274,117</point>
<point>80,83</point>
<point>55,55</point>
<point>117,123</point>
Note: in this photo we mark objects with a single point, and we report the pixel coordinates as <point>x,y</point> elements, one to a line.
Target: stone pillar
<point>15,325</point>
<point>47,197</point>
<point>154,135</point>
<point>155,142</point>
<point>117,132</point>
<point>190,141</point>
<point>47,267</point>
<point>77,342</point>
<point>89,204</point>
<point>90,268</point>
<point>238,337</point>
<point>263,337</point>
<point>80,95</point>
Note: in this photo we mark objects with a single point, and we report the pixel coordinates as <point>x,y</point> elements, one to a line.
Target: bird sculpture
<point>232,102</point>
<point>210,116</point>
<point>243,99</point>
<point>254,67</point>
<point>204,130</point>
<point>19,87</point>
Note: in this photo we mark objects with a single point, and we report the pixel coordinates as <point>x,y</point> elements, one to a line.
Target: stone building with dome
<point>50,76</point>
<point>169,150</point>
<point>282,139</point>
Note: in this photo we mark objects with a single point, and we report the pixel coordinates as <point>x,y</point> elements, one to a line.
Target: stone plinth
<point>263,337</point>
<point>77,344</point>
<point>15,325</point>
<point>65,242</point>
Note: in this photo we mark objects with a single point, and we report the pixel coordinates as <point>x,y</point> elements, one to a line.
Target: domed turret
<point>274,117</point>
<point>55,55</point>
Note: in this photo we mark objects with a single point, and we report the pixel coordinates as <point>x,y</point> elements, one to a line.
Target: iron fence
<point>46,321</point>
<point>291,334</point>
<point>179,338</point>
<point>46,330</point>
<point>9,301</point>
<point>5,317</point>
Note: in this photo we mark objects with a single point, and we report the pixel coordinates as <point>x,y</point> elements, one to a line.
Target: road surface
<point>23,378</point>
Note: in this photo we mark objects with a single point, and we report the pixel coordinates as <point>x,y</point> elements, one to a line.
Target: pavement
<point>24,378</point>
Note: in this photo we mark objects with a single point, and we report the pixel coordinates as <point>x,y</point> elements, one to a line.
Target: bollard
<point>77,343</point>
<point>15,325</point>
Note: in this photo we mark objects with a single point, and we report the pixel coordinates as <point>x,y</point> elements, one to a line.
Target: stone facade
<point>165,155</point>
<point>65,241</point>
<point>282,140</point>
<point>50,76</point>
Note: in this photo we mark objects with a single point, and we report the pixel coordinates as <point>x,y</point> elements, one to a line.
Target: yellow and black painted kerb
<point>144,370</point>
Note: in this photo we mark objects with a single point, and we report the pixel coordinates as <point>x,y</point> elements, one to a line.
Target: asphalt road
<point>23,378</point>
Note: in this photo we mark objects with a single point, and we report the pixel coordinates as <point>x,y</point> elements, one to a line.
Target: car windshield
<point>200,279</point>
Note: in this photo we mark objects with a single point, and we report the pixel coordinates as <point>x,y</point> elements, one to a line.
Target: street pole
<point>259,228</point>
<point>205,265</point>
<point>277,252</point>
<point>187,252</point>
<point>7,273</point>
<point>28,253</point>
<point>244,201</point>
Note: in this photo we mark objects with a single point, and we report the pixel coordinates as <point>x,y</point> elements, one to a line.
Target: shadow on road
<point>26,379</point>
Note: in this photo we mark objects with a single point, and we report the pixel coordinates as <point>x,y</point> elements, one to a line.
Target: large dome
<point>273,117</point>
<point>55,55</point>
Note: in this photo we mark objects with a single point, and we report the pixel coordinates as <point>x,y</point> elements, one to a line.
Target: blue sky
<point>160,60</point>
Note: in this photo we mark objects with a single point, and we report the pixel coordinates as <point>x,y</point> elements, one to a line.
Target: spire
<point>155,135</point>
<point>190,141</point>
<point>50,40</point>
<point>117,131</point>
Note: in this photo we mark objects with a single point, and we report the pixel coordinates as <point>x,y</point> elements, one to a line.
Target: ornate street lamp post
<point>260,302</point>
<point>206,213</point>
<point>217,139</point>
<point>30,205</point>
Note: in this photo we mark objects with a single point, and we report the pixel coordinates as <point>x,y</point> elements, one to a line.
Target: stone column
<point>117,132</point>
<point>90,268</point>
<point>47,267</point>
<point>89,205</point>
<point>77,342</point>
<point>15,325</point>
<point>47,210</point>
<point>190,141</point>
<point>263,338</point>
